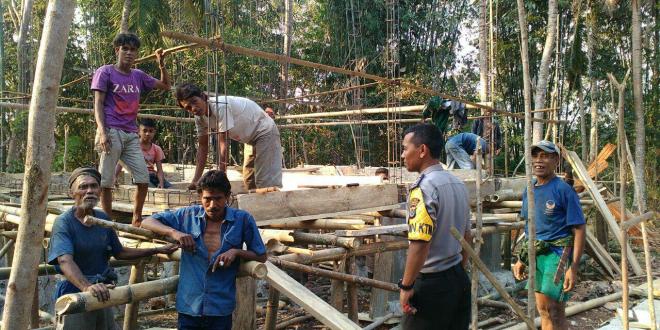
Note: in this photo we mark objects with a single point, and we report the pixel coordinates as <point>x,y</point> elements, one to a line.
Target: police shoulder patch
<point>420,224</point>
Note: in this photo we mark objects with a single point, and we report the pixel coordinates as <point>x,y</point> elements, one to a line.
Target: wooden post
<point>645,239</point>
<point>382,271</point>
<point>477,240</point>
<point>131,309</point>
<point>271,309</point>
<point>337,287</point>
<point>246,304</point>
<point>352,293</point>
<point>38,162</point>
<point>623,236</point>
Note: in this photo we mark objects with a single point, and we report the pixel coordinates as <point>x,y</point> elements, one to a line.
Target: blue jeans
<point>153,181</point>
<point>457,154</point>
<point>187,322</point>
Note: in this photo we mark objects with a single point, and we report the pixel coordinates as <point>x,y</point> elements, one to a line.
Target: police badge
<point>412,207</point>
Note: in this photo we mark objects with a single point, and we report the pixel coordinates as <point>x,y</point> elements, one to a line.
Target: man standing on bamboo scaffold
<point>117,89</point>
<point>240,119</point>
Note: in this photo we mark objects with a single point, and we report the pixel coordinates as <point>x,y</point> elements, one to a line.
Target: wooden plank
<point>299,203</point>
<point>597,166</point>
<point>310,302</point>
<point>325,215</point>
<point>590,186</point>
<point>600,255</point>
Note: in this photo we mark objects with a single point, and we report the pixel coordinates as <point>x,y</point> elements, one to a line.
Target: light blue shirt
<point>202,292</point>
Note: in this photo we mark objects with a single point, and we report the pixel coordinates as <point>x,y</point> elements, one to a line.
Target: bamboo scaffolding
<point>218,44</point>
<point>334,91</point>
<point>482,267</point>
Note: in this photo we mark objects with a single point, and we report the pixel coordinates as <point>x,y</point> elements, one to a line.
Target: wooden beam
<point>590,186</point>
<point>310,302</point>
<point>297,205</point>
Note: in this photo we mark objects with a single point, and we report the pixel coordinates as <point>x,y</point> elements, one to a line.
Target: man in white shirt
<point>240,119</point>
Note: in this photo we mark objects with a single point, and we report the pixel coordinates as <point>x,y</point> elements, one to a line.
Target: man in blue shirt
<point>460,148</point>
<point>81,252</point>
<point>212,237</point>
<point>560,234</point>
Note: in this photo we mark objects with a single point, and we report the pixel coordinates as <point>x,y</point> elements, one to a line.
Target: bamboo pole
<point>292,321</point>
<point>477,240</point>
<point>352,292</point>
<point>271,309</point>
<point>132,307</point>
<point>623,234</point>
<point>90,220</point>
<point>84,301</point>
<point>527,97</point>
<point>329,224</point>
<point>334,91</point>
<point>482,267</point>
<point>41,124</point>
<point>325,239</point>
<point>379,321</point>
<point>17,106</point>
<point>645,239</point>
<point>637,220</point>
<point>349,278</point>
<point>7,247</point>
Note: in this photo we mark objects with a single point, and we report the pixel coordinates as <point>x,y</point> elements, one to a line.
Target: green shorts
<point>546,267</point>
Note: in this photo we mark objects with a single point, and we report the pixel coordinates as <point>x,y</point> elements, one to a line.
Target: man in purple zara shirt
<point>117,90</point>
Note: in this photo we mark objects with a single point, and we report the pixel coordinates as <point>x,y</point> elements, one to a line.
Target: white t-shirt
<point>242,119</point>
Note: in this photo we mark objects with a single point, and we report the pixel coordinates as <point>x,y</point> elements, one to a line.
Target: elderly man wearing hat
<point>560,237</point>
<point>81,252</point>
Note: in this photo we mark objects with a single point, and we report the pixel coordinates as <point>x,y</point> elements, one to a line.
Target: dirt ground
<point>592,285</point>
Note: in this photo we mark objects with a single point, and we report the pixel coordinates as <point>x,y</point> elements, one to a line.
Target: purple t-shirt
<point>122,95</point>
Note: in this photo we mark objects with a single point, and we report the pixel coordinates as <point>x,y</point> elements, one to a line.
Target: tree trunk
<point>126,12</point>
<point>483,53</point>
<point>583,125</point>
<point>640,135</point>
<point>2,87</point>
<point>527,88</point>
<point>544,68</point>
<point>286,49</point>
<point>593,91</point>
<point>41,145</point>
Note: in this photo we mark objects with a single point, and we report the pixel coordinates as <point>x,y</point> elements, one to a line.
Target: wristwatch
<point>405,287</point>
